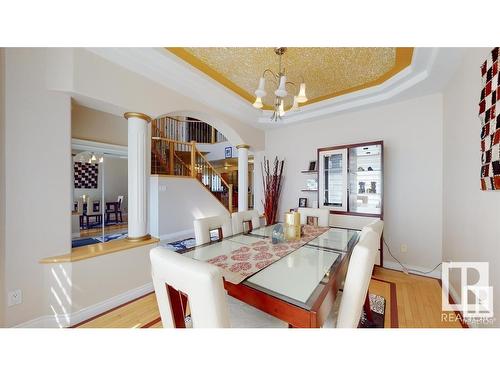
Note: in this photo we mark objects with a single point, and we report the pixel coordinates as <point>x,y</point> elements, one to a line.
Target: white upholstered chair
<point>201,283</point>
<point>202,228</point>
<point>322,214</point>
<point>240,218</point>
<point>377,226</point>
<point>355,293</point>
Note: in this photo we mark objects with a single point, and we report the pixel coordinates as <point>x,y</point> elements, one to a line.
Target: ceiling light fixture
<point>281,91</point>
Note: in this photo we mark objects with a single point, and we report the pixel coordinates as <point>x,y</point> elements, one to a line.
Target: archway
<point>222,126</point>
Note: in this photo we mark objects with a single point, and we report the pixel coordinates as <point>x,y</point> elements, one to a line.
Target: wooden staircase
<point>171,157</point>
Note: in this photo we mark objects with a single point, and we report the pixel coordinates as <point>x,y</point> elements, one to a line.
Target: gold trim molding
<point>143,116</point>
<point>242,146</point>
<point>404,56</point>
<point>138,239</point>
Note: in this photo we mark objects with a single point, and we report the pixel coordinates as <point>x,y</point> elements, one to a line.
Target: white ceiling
<point>430,71</point>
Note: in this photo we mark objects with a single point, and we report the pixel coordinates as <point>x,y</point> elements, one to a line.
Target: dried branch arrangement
<point>271,179</point>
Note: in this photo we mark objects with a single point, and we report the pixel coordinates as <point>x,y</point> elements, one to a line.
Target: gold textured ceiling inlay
<point>327,72</point>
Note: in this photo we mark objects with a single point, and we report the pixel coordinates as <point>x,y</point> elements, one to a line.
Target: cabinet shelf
<point>370,172</point>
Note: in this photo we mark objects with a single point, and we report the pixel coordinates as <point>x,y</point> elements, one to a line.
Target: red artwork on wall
<point>490,123</point>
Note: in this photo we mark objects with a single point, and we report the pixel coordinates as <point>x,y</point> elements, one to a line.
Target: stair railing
<point>177,158</point>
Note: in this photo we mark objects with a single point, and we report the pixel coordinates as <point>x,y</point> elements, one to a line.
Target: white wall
<point>116,180</point>
<point>81,290</point>
<point>216,150</point>
<point>38,145</point>
<point>2,185</point>
<point>175,203</point>
<point>412,135</point>
<point>98,126</point>
<point>471,226</point>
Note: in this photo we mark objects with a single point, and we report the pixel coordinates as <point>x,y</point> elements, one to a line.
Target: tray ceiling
<point>328,72</point>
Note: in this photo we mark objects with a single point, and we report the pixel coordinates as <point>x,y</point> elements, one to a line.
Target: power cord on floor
<point>407,270</point>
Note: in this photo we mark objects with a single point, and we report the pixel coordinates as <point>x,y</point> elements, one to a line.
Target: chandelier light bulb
<point>302,98</point>
<point>258,103</point>
<point>261,92</point>
<point>282,108</point>
<point>281,91</point>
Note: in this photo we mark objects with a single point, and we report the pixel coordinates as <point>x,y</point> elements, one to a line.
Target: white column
<point>137,175</point>
<point>242,177</point>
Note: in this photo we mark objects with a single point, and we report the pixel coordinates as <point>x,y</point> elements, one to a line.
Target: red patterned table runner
<point>249,259</point>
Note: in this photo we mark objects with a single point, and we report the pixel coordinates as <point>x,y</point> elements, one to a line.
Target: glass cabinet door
<point>365,179</point>
<point>333,179</point>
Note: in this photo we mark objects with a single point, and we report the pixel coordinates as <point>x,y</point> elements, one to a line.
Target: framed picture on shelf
<point>312,220</point>
<point>312,165</point>
<point>228,152</point>
<point>302,202</point>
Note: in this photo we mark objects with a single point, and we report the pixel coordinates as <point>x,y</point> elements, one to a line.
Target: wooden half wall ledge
<point>95,250</point>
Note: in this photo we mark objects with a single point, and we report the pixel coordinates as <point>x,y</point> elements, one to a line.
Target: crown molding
<point>428,73</point>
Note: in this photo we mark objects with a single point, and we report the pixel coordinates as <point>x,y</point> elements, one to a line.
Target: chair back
<point>79,206</point>
<point>357,280</point>
<point>376,226</point>
<point>202,228</point>
<point>322,214</point>
<point>240,218</point>
<point>200,281</point>
<point>349,221</point>
<point>120,201</point>
<point>91,210</point>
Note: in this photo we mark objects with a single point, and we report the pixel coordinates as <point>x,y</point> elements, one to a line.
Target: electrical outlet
<point>404,248</point>
<point>15,297</point>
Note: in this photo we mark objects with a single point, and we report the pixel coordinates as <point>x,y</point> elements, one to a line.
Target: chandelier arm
<point>269,71</point>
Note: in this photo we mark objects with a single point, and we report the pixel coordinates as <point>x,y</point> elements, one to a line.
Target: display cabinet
<point>350,179</point>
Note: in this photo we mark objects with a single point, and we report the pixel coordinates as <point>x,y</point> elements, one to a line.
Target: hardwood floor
<point>418,305</point>
<point>418,299</point>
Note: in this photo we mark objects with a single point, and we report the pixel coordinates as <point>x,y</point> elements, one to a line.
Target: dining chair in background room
<point>203,227</point>
<point>93,211</point>
<point>245,221</point>
<point>322,214</point>
<point>115,208</point>
<point>179,279</point>
<point>355,294</point>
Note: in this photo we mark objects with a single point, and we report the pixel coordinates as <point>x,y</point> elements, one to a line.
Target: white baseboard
<point>67,320</point>
<point>396,266</point>
<point>177,236</point>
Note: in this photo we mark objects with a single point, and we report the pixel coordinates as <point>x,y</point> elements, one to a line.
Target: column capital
<point>128,115</point>
<point>242,146</point>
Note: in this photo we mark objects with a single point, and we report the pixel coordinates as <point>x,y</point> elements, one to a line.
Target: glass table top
<point>297,277</point>
<point>334,239</point>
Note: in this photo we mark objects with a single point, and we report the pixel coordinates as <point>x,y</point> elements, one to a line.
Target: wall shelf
<point>309,172</point>
<point>313,190</point>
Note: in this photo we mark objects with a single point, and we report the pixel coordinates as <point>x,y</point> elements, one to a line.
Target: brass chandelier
<point>281,91</point>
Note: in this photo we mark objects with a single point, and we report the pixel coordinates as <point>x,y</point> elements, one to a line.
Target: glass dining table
<point>299,286</point>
